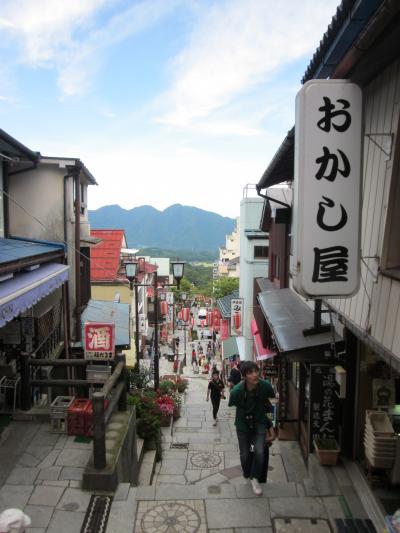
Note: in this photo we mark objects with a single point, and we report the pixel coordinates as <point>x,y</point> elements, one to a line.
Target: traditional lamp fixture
<point>177,271</point>
<point>131,271</point>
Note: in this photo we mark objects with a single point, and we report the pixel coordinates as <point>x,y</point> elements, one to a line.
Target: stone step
<point>147,468</point>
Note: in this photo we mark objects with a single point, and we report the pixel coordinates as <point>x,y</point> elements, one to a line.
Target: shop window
<point>260,252</point>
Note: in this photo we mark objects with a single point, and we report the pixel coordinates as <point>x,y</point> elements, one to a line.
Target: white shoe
<point>256,487</point>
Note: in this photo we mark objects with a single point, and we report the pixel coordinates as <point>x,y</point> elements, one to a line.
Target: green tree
<point>224,286</point>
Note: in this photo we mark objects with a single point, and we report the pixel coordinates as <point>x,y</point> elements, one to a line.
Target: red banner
<point>164,308</point>
<point>185,314</point>
<point>224,329</point>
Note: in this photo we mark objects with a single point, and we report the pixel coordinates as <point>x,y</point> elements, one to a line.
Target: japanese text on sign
<point>236,316</point>
<point>327,188</point>
<point>323,405</point>
<point>99,341</point>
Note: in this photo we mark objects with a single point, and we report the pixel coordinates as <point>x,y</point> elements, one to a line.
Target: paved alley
<point>198,485</point>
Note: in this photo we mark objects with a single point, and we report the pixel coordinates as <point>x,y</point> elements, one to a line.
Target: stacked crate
<point>89,418</point>
<point>77,416</point>
<point>58,413</point>
<point>379,440</point>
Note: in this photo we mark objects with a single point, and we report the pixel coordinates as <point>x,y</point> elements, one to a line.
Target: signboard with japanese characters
<point>327,186</point>
<point>236,316</point>
<point>323,407</point>
<point>142,323</point>
<point>99,342</point>
<point>170,298</point>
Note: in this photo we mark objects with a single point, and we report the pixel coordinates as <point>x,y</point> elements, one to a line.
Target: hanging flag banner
<point>170,298</point>
<point>224,334</point>
<point>327,186</point>
<point>142,323</point>
<point>236,316</point>
<point>99,341</point>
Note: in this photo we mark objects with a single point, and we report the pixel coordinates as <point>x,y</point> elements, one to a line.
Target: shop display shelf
<point>378,423</point>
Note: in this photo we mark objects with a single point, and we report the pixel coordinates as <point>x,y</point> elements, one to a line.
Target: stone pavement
<point>198,485</point>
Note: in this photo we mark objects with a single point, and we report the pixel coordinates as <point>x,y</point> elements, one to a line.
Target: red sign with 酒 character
<point>99,341</point>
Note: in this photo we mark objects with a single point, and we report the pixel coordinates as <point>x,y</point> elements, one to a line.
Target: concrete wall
<point>250,268</point>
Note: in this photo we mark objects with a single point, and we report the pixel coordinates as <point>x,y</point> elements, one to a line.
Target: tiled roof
<point>105,257</point>
<point>224,304</point>
<point>16,249</point>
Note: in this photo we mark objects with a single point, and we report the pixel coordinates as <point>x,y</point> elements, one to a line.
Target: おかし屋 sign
<point>99,342</point>
<point>326,210</point>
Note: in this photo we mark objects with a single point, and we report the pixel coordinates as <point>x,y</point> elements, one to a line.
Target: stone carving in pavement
<point>205,459</point>
<point>171,517</point>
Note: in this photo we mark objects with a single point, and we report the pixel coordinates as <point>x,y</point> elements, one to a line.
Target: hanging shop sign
<point>327,186</point>
<point>170,298</point>
<point>236,316</point>
<point>142,323</point>
<point>99,341</point>
<point>323,407</point>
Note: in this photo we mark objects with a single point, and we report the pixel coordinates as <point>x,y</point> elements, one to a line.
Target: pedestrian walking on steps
<point>255,433</point>
<point>216,392</point>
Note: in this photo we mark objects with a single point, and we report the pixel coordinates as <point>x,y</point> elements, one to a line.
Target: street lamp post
<point>131,271</point>
<point>183,298</point>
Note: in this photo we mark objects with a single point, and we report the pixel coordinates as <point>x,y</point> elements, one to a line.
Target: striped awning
<point>25,289</point>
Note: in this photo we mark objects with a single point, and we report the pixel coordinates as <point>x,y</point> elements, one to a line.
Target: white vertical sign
<point>327,184</point>
<point>236,316</point>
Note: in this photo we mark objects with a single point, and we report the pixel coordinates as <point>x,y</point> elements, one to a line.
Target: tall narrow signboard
<point>327,184</point>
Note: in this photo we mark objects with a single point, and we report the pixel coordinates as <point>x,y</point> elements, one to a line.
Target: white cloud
<point>234,47</point>
<point>66,35</point>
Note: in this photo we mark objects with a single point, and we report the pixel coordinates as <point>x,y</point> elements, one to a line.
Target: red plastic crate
<point>76,416</point>
<point>89,418</point>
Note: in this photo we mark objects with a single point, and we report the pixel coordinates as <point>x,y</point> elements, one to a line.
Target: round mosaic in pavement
<point>171,518</point>
<point>205,459</point>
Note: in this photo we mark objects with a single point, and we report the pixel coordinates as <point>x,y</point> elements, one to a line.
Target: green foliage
<point>139,379</point>
<point>185,255</point>
<point>224,286</point>
<point>181,385</point>
<point>148,425</point>
<point>167,386</point>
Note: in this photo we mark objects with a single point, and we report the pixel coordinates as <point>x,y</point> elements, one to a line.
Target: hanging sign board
<point>99,342</point>
<point>170,298</point>
<point>327,186</point>
<point>323,407</point>
<point>236,316</point>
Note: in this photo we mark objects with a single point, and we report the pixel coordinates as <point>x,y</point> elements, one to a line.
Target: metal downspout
<point>77,253</point>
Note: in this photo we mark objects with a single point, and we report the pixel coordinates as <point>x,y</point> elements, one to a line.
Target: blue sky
<point>165,101</point>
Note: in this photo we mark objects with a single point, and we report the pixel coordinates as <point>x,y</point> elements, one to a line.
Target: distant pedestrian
<point>194,356</point>
<point>255,433</point>
<point>175,364</point>
<point>195,367</point>
<point>235,376</point>
<point>215,390</point>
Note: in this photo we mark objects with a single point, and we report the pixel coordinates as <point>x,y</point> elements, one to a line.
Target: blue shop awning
<point>27,288</point>
<point>105,311</point>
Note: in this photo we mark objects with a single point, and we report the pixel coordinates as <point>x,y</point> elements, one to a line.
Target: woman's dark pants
<point>215,404</point>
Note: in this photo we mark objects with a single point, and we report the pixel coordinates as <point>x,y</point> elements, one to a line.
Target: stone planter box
<point>165,421</point>
<point>327,451</point>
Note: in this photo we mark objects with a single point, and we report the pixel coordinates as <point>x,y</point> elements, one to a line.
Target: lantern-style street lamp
<point>131,272</point>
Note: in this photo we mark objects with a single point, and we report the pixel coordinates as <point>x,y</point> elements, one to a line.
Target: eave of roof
<point>281,167</point>
<point>12,148</point>
<point>71,161</point>
<point>350,18</point>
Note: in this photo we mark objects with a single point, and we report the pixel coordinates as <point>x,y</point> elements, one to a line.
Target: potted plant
<point>165,405</point>
<point>177,404</point>
<point>327,450</point>
<point>181,385</point>
<point>167,386</point>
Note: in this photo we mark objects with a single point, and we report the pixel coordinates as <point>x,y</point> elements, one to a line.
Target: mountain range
<point>177,227</point>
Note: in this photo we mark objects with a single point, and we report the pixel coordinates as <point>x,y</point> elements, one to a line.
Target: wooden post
<point>26,402</point>
<point>99,431</point>
<point>122,402</point>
